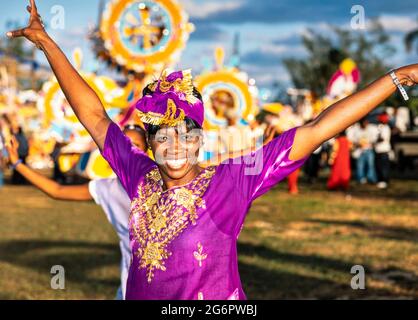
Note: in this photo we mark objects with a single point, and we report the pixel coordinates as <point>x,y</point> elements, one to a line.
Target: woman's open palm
<point>35,29</point>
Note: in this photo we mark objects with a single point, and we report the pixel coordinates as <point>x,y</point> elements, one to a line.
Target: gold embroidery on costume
<point>184,85</point>
<point>199,255</point>
<point>169,118</point>
<point>158,217</point>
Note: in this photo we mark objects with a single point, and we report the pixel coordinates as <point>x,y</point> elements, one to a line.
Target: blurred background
<point>259,65</point>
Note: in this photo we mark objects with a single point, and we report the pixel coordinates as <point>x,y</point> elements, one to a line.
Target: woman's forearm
<point>82,98</point>
<point>84,101</point>
<point>53,189</point>
<point>351,109</point>
<point>347,111</point>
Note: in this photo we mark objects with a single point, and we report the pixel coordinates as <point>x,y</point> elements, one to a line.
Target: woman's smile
<point>176,164</point>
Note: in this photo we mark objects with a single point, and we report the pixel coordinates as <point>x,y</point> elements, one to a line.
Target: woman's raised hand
<point>35,31</point>
<point>408,75</point>
<point>12,147</point>
<point>269,133</point>
<point>82,98</point>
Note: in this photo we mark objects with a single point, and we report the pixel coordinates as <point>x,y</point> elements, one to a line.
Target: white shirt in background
<point>364,137</point>
<point>112,197</point>
<point>385,133</point>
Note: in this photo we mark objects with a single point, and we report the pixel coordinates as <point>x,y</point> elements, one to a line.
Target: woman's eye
<point>162,139</point>
<point>187,137</point>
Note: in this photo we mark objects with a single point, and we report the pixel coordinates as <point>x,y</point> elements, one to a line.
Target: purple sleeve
<point>128,162</point>
<point>256,173</point>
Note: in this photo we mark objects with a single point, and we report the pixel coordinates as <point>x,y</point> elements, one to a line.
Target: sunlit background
<point>258,64</point>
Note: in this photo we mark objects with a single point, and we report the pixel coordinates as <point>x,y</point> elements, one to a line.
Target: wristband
<point>399,85</point>
<point>14,165</point>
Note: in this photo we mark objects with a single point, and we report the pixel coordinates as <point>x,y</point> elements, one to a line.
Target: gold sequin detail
<point>169,118</point>
<point>184,85</point>
<point>158,216</point>
<point>199,255</point>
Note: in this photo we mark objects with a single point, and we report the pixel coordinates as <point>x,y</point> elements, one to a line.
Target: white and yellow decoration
<point>145,36</point>
<point>232,88</point>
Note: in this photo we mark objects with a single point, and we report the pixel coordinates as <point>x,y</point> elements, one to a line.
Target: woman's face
<point>176,150</point>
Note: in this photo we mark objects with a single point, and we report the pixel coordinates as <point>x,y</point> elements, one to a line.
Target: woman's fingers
<point>15,143</point>
<point>29,8</point>
<point>21,32</point>
<point>33,5</point>
<point>270,131</point>
<point>16,33</point>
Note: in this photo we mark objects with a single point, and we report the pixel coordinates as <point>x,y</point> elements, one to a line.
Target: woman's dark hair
<point>190,123</point>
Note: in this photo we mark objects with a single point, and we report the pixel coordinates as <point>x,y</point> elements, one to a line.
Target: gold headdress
<point>172,100</point>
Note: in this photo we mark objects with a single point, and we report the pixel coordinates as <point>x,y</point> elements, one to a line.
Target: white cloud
<point>265,76</point>
<point>281,49</point>
<point>71,37</point>
<point>203,9</point>
<point>398,23</point>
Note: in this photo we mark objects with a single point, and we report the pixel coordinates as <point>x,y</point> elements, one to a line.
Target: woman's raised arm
<point>347,111</point>
<point>84,101</point>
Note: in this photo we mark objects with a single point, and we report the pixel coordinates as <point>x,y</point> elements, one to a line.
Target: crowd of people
<point>363,152</point>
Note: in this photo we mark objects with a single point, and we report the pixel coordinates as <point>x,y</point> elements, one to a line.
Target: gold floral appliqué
<point>199,255</point>
<point>158,217</point>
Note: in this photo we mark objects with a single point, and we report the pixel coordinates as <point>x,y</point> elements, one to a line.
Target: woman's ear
<point>147,140</point>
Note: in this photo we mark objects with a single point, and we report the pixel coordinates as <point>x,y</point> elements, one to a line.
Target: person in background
<point>23,149</point>
<point>58,175</point>
<point>292,182</point>
<point>2,158</point>
<point>364,135</point>
<point>312,165</point>
<point>402,119</point>
<point>382,149</point>
<point>235,138</point>
<point>108,193</point>
<point>340,164</point>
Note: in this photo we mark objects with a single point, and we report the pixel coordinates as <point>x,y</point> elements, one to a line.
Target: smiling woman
<point>172,112</point>
<point>178,213</point>
<point>185,220</point>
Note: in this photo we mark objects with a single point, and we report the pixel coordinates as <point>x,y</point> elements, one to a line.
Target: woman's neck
<point>169,183</point>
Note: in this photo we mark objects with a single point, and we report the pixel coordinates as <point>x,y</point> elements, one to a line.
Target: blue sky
<point>270,30</point>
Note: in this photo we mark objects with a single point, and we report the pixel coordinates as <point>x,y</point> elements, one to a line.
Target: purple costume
<point>184,239</point>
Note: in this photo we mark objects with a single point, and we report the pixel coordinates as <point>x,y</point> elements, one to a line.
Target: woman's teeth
<point>176,164</point>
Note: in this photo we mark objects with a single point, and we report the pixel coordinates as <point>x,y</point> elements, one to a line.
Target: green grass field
<point>291,247</point>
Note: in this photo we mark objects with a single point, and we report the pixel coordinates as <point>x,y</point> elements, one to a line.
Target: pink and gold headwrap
<point>171,102</point>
